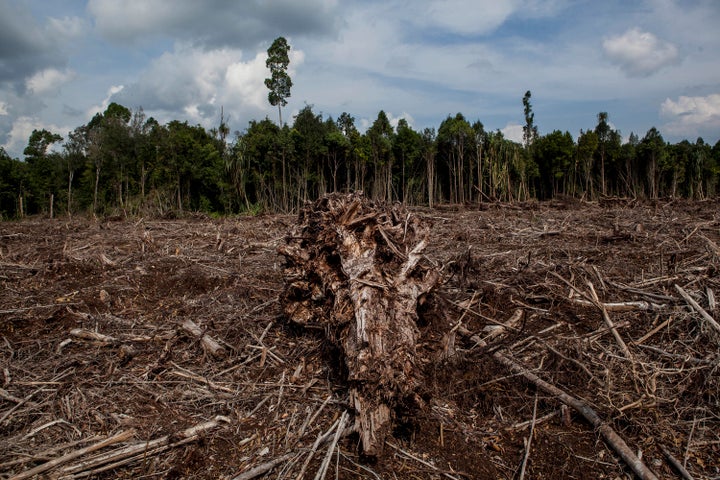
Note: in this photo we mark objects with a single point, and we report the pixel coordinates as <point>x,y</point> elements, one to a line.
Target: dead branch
<point>691,301</point>
<point>263,468</point>
<point>209,344</point>
<point>622,306</point>
<point>120,437</point>
<point>130,453</point>
<point>612,438</point>
<point>320,475</point>
<point>676,464</point>
<point>409,455</point>
<point>528,442</point>
<point>84,334</point>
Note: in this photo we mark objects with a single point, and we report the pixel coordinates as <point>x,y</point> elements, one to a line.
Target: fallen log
<point>355,269</point>
<point>611,437</point>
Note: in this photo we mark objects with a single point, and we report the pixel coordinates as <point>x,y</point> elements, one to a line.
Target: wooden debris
<point>209,344</point>
<point>84,334</point>
<point>611,437</point>
<point>55,401</point>
<point>356,269</point>
<point>705,315</point>
<point>117,438</point>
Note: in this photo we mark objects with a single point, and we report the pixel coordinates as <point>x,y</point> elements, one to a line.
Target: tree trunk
<point>355,269</point>
<point>71,175</point>
<point>97,183</point>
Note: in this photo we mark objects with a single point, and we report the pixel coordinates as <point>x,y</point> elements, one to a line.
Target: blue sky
<point>647,63</point>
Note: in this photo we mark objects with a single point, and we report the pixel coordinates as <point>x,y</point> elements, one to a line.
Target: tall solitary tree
<point>530,131</point>
<point>279,82</point>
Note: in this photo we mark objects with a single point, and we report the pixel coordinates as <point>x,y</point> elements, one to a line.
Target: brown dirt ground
<point>277,388</point>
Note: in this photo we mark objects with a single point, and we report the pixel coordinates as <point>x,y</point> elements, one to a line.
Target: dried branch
<point>263,468</point>
<point>130,453</point>
<point>93,336</point>
<point>528,442</point>
<point>320,475</point>
<point>209,344</point>
<point>612,438</point>
<point>676,464</point>
<point>117,438</point>
<point>691,301</point>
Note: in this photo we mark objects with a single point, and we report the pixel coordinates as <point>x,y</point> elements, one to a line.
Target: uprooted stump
<point>356,269</point>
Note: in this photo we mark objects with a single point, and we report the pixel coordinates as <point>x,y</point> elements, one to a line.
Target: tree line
<point>123,162</point>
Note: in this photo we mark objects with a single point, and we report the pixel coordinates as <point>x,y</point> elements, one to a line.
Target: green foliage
<point>42,168</point>
<point>530,131</point>
<point>121,162</point>
<point>12,178</point>
<point>554,154</point>
<point>279,83</point>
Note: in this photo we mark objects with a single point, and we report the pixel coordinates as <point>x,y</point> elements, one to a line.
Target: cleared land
<point>157,349</point>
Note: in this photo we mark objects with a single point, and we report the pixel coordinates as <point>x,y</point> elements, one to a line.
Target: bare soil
<point>92,345</point>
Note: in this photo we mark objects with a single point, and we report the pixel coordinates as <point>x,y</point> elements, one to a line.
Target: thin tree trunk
<point>97,183</point>
<point>71,175</point>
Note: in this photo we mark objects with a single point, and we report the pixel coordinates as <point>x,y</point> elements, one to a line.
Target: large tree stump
<point>356,269</point>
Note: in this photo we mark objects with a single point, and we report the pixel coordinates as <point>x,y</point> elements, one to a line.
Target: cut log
<point>356,269</point>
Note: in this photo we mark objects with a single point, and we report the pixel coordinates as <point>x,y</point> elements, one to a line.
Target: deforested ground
<point>157,348</point>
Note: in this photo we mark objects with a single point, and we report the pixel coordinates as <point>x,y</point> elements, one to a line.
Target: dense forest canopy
<point>124,162</point>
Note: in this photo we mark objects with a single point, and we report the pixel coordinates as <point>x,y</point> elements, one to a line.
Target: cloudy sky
<point>646,62</point>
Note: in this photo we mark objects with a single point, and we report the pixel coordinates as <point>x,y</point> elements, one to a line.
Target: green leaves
<point>279,82</point>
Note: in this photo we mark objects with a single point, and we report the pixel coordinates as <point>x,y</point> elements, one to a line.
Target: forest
<point>124,163</point>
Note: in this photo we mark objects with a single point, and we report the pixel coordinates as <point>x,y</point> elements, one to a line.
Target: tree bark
<point>356,269</point>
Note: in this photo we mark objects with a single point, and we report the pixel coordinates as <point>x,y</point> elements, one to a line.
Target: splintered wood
<point>356,269</point>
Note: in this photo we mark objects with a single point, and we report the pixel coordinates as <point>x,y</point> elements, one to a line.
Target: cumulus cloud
<point>513,131</point>
<point>112,91</point>
<point>3,108</point>
<point>48,80</point>
<point>213,23</point>
<point>194,83</point>
<point>691,116</point>
<point>22,127</point>
<point>395,120</point>
<point>638,53</point>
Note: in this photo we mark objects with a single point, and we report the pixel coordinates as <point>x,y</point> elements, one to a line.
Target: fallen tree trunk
<point>610,436</point>
<point>355,269</point>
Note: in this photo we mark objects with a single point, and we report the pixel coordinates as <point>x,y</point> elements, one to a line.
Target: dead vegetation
<point>160,349</point>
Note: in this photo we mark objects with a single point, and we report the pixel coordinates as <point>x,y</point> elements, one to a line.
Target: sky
<point>647,63</point>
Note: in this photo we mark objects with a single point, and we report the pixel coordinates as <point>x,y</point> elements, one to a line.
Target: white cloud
<point>692,115</point>
<point>3,108</point>
<point>192,83</point>
<point>395,120</point>
<point>22,127</point>
<point>48,80</point>
<point>513,131</point>
<point>245,81</point>
<point>113,90</point>
<point>639,53</point>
